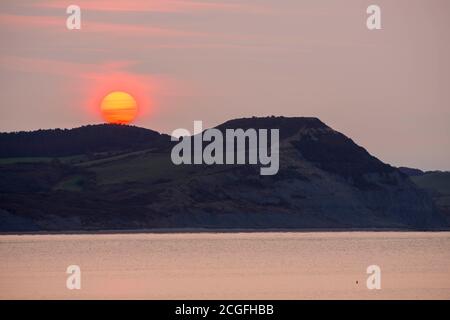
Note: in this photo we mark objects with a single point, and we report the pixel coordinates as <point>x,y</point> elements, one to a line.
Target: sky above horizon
<point>186,60</point>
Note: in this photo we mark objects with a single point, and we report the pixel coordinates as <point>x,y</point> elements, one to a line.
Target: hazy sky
<point>185,60</point>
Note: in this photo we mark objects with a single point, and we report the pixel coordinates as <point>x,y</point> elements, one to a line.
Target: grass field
<point>71,159</point>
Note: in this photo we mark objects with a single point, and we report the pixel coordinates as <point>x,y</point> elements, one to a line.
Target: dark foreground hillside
<point>437,184</point>
<point>124,179</point>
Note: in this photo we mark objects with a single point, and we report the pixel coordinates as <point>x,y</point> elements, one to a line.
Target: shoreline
<point>213,230</point>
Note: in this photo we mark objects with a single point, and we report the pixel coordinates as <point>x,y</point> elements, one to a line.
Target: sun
<point>119,107</point>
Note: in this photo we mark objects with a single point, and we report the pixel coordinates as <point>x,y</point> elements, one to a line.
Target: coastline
<point>215,230</point>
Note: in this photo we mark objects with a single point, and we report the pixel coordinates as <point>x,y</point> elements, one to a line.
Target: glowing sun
<point>119,107</point>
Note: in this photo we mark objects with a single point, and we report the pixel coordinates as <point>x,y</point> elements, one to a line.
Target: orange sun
<point>119,107</point>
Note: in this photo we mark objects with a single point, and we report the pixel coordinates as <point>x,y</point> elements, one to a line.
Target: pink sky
<point>192,60</point>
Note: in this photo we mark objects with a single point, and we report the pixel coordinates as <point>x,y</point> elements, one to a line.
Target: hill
<point>83,140</point>
<point>325,181</point>
<point>438,185</point>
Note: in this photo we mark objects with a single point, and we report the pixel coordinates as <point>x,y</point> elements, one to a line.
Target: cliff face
<point>325,180</point>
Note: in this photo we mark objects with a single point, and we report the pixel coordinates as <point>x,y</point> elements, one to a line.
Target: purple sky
<point>185,60</point>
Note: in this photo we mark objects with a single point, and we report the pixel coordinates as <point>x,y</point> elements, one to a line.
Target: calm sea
<point>330,265</point>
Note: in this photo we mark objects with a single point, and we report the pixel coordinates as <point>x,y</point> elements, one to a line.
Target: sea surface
<point>272,265</point>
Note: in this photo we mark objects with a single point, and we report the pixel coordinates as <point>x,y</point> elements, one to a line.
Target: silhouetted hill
<point>437,183</point>
<point>83,140</point>
<point>319,144</point>
<point>325,181</point>
<point>288,126</point>
<point>412,172</point>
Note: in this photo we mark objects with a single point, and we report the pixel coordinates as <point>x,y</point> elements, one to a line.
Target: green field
<point>70,159</point>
